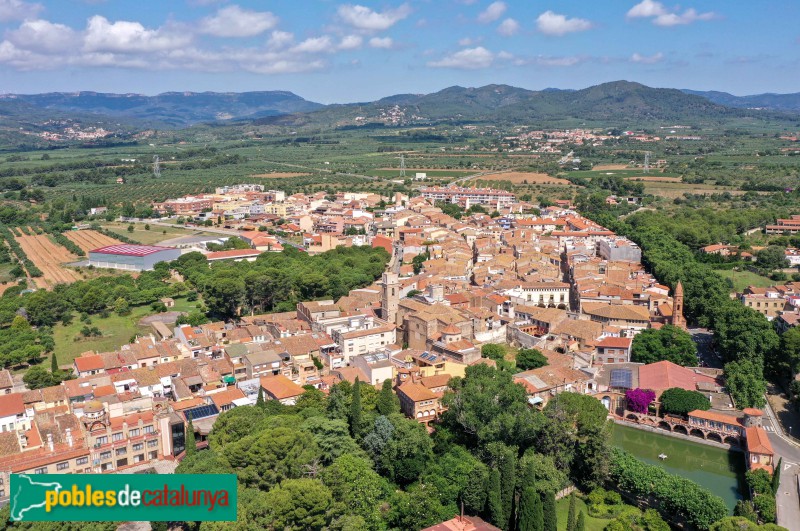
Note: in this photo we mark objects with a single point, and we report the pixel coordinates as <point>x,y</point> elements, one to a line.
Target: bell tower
<point>390,297</point>
<point>677,307</point>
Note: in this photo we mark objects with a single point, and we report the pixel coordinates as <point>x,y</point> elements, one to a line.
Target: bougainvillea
<point>639,399</point>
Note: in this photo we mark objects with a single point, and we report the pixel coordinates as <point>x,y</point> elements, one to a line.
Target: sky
<point>333,51</point>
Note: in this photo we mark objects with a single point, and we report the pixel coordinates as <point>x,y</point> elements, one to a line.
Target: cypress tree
<point>776,477</point>
<point>260,400</point>
<point>191,444</point>
<point>494,501</point>
<point>530,511</point>
<point>54,364</point>
<point>355,410</point>
<point>571,522</point>
<point>508,479</point>
<point>580,525</point>
<point>549,517</point>
<point>386,400</point>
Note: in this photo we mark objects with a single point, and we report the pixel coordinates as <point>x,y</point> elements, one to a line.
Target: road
<point>705,347</point>
<point>213,230</point>
<point>787,497</point>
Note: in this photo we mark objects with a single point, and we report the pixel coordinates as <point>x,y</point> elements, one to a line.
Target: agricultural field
<point>672,190</point>
<point>742,279</point>
<point>278,175</point>
<point>156,234</point>
<point>521,177</point>
<point>90,239</point>
<point>48,257</point>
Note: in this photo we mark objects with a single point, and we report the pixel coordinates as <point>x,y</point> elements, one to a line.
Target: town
<point>544,292</point>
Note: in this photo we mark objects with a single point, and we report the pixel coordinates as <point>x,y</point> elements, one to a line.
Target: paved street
<point>787,497</point>
<point>705,348</point>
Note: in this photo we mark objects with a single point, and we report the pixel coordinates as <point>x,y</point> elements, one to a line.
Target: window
<point>81,460</point>
<point>62,466</point>
<point>102,440</point>
<point>122,451</point>
<point>152,444</point>
<point>42,470</point>
<point>134,432</point>
<point>153,455</point>
<point>105,455</point>
<point>149,429</point>
<point>116,436</point>
<point>2,493</point>
<point>138,446</point>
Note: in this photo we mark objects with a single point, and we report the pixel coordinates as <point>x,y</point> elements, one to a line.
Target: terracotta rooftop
<point>416,392</point>
<point>665,375</point>
<point>758,442</point>
<point>280,387</point>
<point>11,405</point>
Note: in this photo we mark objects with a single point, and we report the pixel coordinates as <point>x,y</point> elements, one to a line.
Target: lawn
<point>592,523</point>
<point>153,236</point>
<point>742,279</point>
<point>117,331</point>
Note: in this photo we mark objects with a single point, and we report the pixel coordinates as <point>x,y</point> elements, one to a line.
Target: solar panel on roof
<point>201,412</point>
<point>621,378</point>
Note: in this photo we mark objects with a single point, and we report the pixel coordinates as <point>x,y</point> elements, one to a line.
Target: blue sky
<point>335,51</point>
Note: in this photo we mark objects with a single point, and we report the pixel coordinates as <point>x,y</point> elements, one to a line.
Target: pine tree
<point>260,399</point>
<point>571,522</point>
<point>580,525</point>
<point>530,511</point>
<point>549,517</point>
<point>494,501</point>
<point>191,444</point>
<point>355,410</point>
<point>54,364</point>
<point>386,403</point>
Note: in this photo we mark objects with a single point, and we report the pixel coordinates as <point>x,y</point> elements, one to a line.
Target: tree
<point>789,364</point>
<point>571,517</point>
<point>744,382</point>
<point>408,453</point>
<point>530,358</point>
<point>356,487</point>
<point>580,524</point>
<point>776,477</point>
<point>260,398</point>
<point>299,505</point>
<point>387,401</point>
<point>417,508</point>
<point>639,400</point>
<point>505,460</point>
<point>549,515</point>
<point>493,351</point>
<point>759,481</point>
<point>332,436</point>
<point>667,343</point>
<point>771,258</point>
<point>355,419</point>
<point>130,228</point>
<point>121,306</point>
<point>191,444</point>
<point>745,509</point>
<point>494,500</point>
<point>743,333</point>
<point>679,401</point>
<point>37,377</point>
<point>53,364</point>
<point>766,507</point>
<point>530,511</point>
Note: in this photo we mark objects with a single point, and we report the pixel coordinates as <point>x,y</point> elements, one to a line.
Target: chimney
<point>50,442</point>
<point>69,437</point>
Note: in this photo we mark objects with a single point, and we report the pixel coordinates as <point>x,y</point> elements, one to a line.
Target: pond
<point>718,470</point>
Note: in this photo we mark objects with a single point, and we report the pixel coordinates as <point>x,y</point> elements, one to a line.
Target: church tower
<point>390,297</point>
<point>677,307</point>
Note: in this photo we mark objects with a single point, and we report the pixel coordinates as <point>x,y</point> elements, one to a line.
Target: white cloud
<point>364,18</point>
<point>125,37</point>
<point>381,42</point>
<point>233,21</point>
<point>467,59</point>
<point>504,55</point>
<point>466,41</point>
<point>492,13</point>
<point>647,59</point>
<point>18,10</point>
<point>569,60</point>
<point>314,45</point>
<point>661,16</point>
<point>43,36</point>
<point>551,23</point>
<point>280,39</point>
<point>646,9</point>
<point>351,42</point>
<point>508,27</point>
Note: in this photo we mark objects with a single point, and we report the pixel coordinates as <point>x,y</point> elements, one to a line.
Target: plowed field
<point>48,257</point>
<point>89,240</point>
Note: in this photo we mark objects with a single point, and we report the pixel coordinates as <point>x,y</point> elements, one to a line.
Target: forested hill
<point>773,102</point>
<point>620,103</point>
<point>177,109</point>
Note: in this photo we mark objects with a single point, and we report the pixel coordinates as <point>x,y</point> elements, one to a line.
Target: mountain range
<point>614,103</point>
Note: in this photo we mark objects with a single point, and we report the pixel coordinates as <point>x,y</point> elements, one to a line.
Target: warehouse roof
<point>131,250</point>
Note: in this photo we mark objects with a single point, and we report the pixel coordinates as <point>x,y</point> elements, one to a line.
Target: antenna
<point>402,165</point>
<point>646,161</point>
<point>156,167</point>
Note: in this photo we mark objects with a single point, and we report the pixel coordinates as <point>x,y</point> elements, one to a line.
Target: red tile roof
<point>280,387</point>
<point>11,405</point>
<point>758,442</point>
<point>665,375</point>
<point>89,363</point>
<point>615,342</point>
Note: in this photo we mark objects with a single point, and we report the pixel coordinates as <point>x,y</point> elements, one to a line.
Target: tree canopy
<point>667,343</point>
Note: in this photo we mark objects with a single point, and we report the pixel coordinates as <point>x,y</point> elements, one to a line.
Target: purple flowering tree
<point>639,400</point>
